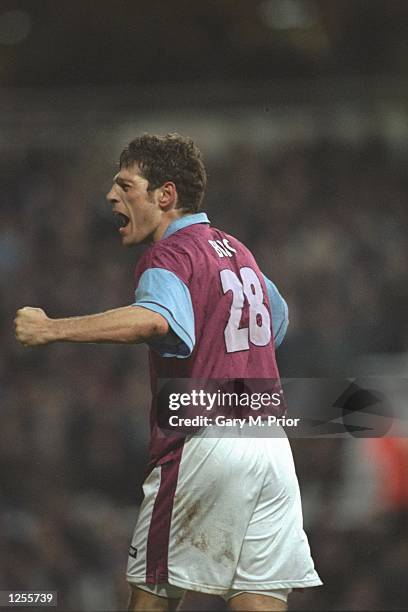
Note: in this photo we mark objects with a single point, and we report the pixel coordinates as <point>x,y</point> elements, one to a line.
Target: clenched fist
<point>32,326</point>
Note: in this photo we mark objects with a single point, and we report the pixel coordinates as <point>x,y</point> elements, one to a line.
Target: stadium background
<point>301,110</point>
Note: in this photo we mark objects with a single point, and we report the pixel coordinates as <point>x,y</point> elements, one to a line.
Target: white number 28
<point>259,331</point>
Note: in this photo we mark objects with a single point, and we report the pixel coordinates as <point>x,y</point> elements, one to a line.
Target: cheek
<point>145,217</point>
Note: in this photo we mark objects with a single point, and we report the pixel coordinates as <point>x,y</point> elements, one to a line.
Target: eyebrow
<point>121,181</point>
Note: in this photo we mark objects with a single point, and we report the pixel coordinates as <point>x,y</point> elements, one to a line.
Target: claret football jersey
<point>224,315</point>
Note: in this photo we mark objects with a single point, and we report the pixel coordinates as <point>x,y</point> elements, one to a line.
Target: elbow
<point>146,325</point>
<point>158,326</point>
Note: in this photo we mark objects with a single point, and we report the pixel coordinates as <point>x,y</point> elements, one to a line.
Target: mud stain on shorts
<point>188,527</point>
<point>216,543</point>
<point>225,552</point>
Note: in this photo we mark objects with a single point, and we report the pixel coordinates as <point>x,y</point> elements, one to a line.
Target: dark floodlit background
<point>301,110</point>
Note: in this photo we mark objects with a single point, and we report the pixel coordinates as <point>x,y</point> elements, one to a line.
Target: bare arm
<point>129,324</point>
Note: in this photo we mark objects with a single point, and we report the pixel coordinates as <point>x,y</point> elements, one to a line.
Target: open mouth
<point>121,220</point>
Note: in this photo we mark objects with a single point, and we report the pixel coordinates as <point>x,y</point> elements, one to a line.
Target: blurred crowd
<point>328,223</point>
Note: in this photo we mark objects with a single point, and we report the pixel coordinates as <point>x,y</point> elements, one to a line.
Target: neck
<point>168,218</point>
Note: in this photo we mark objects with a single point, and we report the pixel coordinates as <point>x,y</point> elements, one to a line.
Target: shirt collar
<point>185,221</point>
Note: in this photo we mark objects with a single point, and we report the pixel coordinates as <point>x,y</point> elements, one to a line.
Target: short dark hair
<point>169,158</point>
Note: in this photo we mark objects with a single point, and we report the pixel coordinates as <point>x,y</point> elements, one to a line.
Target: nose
<point>112,197</point>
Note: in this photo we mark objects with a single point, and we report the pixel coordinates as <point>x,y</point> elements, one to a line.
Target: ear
<point>167,196</point>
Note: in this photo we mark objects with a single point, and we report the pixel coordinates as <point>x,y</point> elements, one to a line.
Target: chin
<point>130,243</point>
<point>132,239</point>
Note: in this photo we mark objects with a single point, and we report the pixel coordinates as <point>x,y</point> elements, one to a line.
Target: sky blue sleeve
<point>280,313</point>
<point>162,291</point>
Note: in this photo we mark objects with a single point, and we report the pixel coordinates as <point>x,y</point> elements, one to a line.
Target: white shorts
<point>169,591</point>
<point>225,515</point>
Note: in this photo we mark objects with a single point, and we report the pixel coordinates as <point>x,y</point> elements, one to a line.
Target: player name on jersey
<point>222,247</point>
